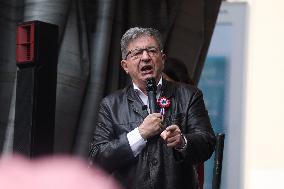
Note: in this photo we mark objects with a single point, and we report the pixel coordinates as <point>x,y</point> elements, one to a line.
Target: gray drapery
<point>89,54</point>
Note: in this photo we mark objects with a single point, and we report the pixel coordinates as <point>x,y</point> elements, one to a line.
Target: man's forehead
<point>142,42</point>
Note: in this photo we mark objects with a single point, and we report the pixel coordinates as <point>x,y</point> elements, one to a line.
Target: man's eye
<point>152,50</point>
<point>137,53</point>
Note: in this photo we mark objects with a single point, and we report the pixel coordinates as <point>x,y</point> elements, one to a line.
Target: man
<point>156,150</point>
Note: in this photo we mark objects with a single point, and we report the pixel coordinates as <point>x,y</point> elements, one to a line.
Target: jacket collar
<point>167,91</point>
<point>137,104</point>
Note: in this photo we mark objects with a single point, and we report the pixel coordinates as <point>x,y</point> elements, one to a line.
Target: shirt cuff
<point>136,142</point>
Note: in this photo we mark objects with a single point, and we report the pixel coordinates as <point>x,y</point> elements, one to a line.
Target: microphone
<point>152,91</point>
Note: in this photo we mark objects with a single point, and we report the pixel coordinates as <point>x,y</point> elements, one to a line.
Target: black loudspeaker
<point>36,57</point>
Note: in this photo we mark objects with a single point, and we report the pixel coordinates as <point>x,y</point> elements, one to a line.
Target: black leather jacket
<point>157,166</point>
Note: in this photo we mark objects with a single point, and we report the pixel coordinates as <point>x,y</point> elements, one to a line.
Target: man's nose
<point>145,55</point>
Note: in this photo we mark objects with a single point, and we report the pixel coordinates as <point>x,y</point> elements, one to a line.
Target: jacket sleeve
<point>199,133</point>
<point>107,150</point>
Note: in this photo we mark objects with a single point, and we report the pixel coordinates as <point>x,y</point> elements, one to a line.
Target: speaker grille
<point>25,43</point>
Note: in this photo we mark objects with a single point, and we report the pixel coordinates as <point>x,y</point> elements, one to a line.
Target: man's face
<point>144,60</point>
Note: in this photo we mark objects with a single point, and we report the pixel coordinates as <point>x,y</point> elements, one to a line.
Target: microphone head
<point>151,84</point>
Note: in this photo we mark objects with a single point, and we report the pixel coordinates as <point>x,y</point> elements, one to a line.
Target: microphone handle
<point>216,181</point>
<point>152,101</point>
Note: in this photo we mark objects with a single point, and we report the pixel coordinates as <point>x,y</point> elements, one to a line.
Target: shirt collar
<point>144,97</point>
<point>159,86</point>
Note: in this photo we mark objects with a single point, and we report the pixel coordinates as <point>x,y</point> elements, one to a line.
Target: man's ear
<point>164,58</point>
<point>123,64</point>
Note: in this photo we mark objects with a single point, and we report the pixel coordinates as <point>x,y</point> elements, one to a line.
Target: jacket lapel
<point>167,89</point>
<point>168,92</point>
<point>135,102</point>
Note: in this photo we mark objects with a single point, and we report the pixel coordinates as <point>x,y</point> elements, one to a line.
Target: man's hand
<point>173,137</point>
<point>151,125</point>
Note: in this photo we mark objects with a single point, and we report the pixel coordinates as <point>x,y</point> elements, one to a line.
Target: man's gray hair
<point>136,32</point>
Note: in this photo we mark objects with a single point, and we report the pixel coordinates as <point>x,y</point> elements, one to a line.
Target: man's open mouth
<point>146,69</point>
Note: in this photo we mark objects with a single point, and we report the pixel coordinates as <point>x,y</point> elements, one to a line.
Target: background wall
<point>264,123</point>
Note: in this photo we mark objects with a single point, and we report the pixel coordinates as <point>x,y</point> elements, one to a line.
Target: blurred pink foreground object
<point>52,173</point>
